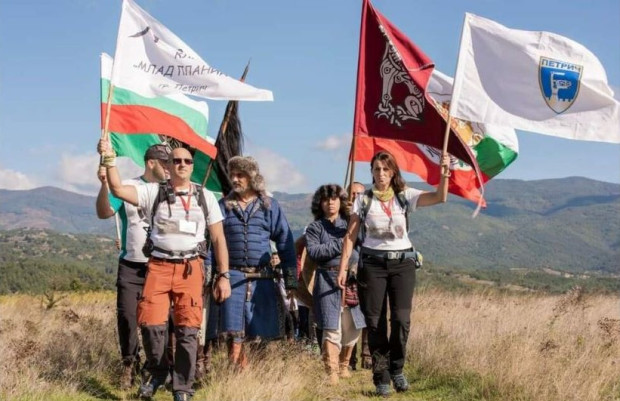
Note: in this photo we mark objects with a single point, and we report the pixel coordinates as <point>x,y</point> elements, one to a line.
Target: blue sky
<point>304,51</point>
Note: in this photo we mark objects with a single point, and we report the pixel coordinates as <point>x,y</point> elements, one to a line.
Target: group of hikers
<point>189,261</point>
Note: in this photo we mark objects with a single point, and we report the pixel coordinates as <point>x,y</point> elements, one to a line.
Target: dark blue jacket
<point>249,231</point>
<point>324,242</point>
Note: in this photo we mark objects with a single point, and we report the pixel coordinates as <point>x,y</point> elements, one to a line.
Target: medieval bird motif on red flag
<point>393,73</point>
<point>391,101</point>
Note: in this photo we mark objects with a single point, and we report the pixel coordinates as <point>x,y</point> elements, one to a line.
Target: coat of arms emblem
<point>559,83</point>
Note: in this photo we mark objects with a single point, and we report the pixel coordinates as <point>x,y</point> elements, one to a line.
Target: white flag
<point>533,81</point>
<point>151,57</point>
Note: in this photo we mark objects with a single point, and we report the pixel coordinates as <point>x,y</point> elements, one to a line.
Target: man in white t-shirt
<point>132,262</point>
<point>175,269</point>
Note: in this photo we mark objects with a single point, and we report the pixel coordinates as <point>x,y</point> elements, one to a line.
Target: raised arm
<point>127,193</point>
<point>441,193</point>
<point>103,207</point>
<point>347,247</point>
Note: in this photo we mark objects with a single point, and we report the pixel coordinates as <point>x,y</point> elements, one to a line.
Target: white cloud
<point>78,173</point>
<point>280,174</point>
<point>10,179</point>
<point>335,143</point>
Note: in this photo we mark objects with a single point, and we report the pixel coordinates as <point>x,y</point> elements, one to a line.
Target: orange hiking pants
<point>180,282</point>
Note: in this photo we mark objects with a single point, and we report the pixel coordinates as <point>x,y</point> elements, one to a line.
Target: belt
<point>175,261</point>
<point>329,268</point>
<point>178,254</point>
<point>245,269</point>
<point>251,272</point>
<point>388,255</point>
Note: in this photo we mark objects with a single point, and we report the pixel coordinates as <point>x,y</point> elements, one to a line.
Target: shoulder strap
<point>404,203</point>
<point>202,202</point>
<point>161,197</point>
<point>366,202</point>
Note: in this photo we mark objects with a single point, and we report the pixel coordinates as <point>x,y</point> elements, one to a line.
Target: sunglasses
<point>178,161</point>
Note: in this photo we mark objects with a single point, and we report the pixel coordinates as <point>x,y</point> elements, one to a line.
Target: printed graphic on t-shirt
<point>385,228</point>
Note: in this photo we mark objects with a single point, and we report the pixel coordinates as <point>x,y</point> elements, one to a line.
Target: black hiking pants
<point>129,283</point>
<point>382,282</point>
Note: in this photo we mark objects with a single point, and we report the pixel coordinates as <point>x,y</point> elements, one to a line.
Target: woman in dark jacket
<point>341,324</point>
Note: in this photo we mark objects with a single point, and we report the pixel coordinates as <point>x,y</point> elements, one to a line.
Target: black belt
<point>388,255</point>
<point>177,254</point>
<point>175,261</point>
<point>329,268</point>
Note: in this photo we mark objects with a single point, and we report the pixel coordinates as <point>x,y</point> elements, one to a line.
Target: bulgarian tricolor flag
<point>138,121</point>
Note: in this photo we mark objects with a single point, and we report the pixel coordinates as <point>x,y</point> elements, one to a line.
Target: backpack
<point>366,202</point>
<point>166,194</point>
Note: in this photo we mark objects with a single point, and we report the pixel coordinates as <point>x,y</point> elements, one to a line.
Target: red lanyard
<point>387,209</point>
<point>186,205</point>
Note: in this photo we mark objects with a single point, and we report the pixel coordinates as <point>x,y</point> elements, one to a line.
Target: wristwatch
<point>226,275</point>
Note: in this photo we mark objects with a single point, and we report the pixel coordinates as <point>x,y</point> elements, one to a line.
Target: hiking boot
<point>127,376</point>
<point>148,389</point>
<point>382,390</point>
<point>400,382</point>
<point>181,396</point>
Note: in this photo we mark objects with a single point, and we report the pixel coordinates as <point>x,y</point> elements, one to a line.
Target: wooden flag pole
<point>105,135</point>
<point>357,88</point>
<point>346,174</point>
<point>224,125</point>
<point>446,137</point>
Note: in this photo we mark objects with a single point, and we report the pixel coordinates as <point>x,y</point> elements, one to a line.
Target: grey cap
<point>157,152</point>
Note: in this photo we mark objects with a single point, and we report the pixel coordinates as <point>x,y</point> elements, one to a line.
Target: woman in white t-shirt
<point>387,268</point>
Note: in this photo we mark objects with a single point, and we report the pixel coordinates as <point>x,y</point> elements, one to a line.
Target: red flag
<point>392,107</point>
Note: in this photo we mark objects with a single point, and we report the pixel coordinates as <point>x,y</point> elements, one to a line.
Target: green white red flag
<point>138,121</point>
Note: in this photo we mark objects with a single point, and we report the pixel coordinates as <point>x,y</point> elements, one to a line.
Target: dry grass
<point>481,346</point>
<point>526,347</point>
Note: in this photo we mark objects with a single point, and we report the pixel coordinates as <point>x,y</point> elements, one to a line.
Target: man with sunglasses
<point>132,261</point>
<point>175,269</point>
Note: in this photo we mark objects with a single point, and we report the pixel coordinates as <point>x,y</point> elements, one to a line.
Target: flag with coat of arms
<point>533,81</point>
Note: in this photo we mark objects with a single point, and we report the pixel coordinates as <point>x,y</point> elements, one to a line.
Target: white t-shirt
<point>173,229</point>
<point>134,224</point>
<point>382,232</point>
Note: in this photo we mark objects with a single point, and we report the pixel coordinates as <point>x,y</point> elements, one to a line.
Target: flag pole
<point>346,174</point>
<point>105,135</point>
<point>356,116</point>
<point>224,124</point>
<point>449,120</point>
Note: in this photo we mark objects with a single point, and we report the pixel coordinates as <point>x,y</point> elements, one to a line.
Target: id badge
<point>187,227</point>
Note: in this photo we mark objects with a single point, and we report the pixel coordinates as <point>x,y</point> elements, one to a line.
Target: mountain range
<point>569,224</point>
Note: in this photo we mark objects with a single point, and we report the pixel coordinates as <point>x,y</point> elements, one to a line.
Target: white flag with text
<point>151,57</point>
<point>533,81</point>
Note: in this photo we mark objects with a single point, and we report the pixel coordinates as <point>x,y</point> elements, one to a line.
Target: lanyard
<point>388,209</point>
<point>187,205</point>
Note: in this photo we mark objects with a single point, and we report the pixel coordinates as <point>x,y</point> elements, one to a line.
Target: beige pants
<point>347,335</point>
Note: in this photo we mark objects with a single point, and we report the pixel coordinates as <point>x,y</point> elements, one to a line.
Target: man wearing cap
<point>181,214</point>
<point>251,219</point>
<point>132,262</point>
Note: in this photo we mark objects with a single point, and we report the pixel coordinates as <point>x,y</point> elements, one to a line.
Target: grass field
<point>478,345</point>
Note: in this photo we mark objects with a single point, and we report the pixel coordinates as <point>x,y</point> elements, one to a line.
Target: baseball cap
<point>157,152</point>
